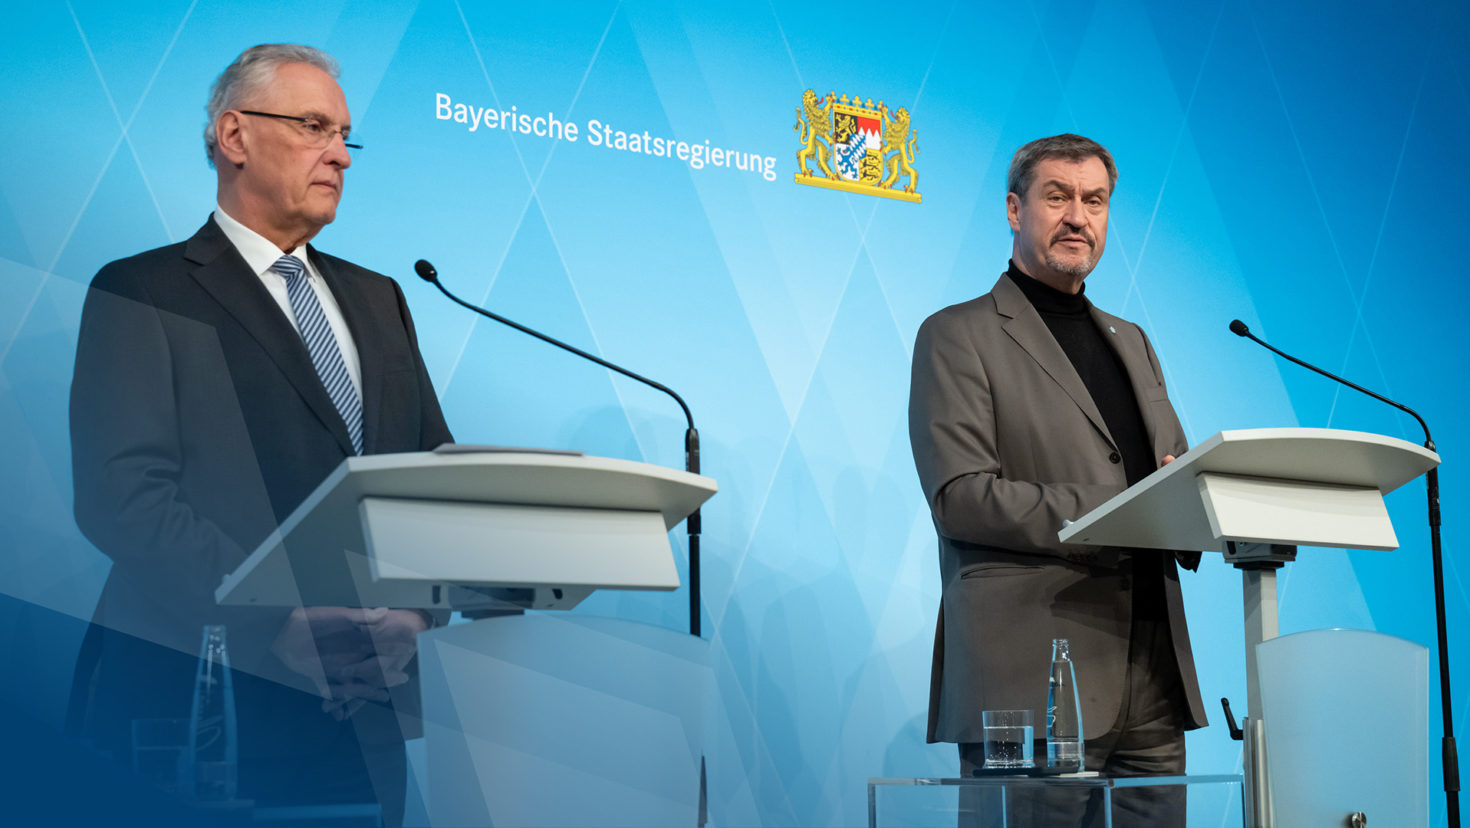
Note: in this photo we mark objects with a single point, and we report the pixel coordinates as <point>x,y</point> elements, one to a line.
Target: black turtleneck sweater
<point>1069,318</point>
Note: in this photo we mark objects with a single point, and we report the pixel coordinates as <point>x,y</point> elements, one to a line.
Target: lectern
<point>537,719</point>
<point>1254,496</point>
<point>472,528</point>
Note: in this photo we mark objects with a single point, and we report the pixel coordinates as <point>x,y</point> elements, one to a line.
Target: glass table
<point>1213,800</point>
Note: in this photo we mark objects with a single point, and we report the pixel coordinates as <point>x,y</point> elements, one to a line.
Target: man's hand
<point>394,638</point>
<point>1168,458</point>
<point>352,656</point>
<point>318,642</point>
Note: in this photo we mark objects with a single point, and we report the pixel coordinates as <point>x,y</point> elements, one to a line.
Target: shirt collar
<point>255,249</point>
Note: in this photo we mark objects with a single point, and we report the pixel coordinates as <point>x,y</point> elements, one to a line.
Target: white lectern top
<point>457,528</point>
<point>1299,486</point>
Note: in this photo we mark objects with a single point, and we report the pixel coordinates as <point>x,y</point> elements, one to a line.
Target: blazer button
<point>1115,458</point>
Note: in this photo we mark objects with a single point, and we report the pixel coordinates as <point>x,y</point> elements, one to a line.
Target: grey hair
<point>252,71</point>
<point>1071,147</point>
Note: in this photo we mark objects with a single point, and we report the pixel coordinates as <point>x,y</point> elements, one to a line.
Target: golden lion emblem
<point>815,131</point>
<point>901,144</point>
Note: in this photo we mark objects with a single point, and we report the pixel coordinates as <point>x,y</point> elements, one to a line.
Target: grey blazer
<point>1008,444</point>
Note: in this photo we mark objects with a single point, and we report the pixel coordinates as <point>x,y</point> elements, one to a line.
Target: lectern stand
<point>1254,496</point>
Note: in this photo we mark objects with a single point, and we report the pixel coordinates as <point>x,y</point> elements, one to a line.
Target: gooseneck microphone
<point>427,272</point>
<point>1431,478</point>
<point>1238,328</point>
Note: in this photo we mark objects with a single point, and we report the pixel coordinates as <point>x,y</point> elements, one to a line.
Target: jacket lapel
<point>358,313</point>
<point>1025,326</point>
<point>221,271</point>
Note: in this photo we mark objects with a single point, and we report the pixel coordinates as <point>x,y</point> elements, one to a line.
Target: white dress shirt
<point>260,253</point>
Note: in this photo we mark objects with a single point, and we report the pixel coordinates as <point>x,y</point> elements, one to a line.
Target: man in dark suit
<point>1029,407</point>
<point>217,382</point>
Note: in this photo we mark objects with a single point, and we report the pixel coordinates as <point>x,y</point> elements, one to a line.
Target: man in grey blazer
<point>1029,407</point>
<point>217,382</point>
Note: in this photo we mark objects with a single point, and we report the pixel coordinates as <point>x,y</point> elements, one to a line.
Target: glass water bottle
<point>1063,711</point>
<point>211,762</point>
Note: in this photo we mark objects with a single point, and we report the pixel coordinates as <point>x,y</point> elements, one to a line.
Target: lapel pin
<point>1112,329</point>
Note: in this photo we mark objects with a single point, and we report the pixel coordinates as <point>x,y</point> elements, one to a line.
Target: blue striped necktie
<point>321,343</point>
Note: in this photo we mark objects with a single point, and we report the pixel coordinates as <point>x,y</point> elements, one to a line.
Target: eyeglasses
<point>316,133</point>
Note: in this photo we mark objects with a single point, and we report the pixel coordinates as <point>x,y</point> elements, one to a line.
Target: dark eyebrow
<point>1067,188</point>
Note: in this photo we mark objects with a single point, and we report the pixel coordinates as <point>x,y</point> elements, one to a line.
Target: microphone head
<point>1237,327</point>
<point>425,271</point>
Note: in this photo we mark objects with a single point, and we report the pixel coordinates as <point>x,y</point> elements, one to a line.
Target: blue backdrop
<point>1295,164</point>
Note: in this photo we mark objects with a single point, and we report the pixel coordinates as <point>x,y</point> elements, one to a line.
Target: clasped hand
<point>352,656</point>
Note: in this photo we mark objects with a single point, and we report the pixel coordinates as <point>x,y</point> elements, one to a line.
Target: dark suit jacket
<point>1008,444</point>
<point>198,423</point>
